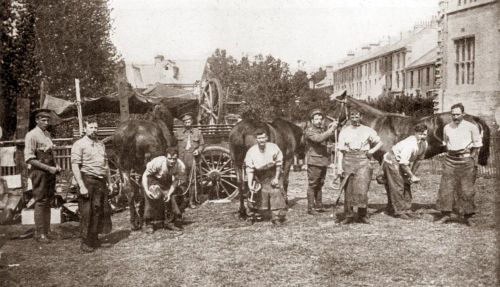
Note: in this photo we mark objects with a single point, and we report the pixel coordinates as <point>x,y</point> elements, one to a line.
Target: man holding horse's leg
<point>263,163</point>
<point>161,181</point>
<point>317,159</point>
<point>456,191</point>
<point>399,166</point>
<point>355,152</point>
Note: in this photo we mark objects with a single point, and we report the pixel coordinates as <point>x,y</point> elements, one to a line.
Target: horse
<point>393,128</point>
<point>281,132</point>
<point>135,143</point>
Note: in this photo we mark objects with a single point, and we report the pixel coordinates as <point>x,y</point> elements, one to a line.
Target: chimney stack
<point>159,59</point>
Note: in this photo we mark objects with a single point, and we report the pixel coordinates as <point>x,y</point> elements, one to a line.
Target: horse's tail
<point>484,151</point>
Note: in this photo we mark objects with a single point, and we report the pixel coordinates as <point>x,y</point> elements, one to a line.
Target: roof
<point>175,72</point>
<point>428,58</point>
<point>426,35</point>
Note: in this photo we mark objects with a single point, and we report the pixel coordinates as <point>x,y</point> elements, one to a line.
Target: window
<point>397,80</point>
<point>464,61</point>
<point>419,78</point>
<point>427,76</point>
<point>398,60</point>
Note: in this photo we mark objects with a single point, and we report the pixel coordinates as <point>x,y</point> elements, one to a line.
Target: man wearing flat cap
<point>317,158</point>
<point>39,154</point>
<point>190,144</point>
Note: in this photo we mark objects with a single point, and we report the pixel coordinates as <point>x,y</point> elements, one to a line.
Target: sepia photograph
<point>249,143</point>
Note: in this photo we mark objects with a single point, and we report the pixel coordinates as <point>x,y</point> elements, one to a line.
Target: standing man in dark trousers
<point>456,191</point>
<point>317,159</point>
<point>90,168</point>
<point>39,154</point>
<point>190,144</point>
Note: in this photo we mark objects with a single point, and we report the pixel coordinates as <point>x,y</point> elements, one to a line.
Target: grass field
<point>217,249</point>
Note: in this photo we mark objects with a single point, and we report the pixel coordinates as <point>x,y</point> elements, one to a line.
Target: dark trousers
<point>315,178</point>
<point>456,191</point>
<point>95,212</point>
<point>188,159</point>
<point>156,211</point>
<point>44,185</point>
<point>398,189</point>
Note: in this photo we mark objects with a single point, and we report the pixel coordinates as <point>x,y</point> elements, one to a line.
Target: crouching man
<point>263,163</point>
<point>161,182</point>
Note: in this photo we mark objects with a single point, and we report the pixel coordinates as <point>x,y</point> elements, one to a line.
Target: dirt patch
<point>218,249</point>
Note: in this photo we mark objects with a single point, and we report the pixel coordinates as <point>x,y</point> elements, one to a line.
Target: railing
<point>220,131</point>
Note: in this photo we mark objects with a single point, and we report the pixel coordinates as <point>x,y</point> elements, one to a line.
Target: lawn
<point>218,249</point>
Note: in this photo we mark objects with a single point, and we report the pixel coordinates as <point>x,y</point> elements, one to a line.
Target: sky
<point>316,33</point>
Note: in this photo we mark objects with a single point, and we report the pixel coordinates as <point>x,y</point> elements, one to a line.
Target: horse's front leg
<point>241,192</point>
<point>130,193</point>
<point>287,165</point>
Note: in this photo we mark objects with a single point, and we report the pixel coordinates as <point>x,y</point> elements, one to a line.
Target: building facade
<point>390,68</point>
<point>469,44</point>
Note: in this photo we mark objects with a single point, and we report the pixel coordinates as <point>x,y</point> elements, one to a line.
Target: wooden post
<point>79,106</point>
<point>122,87</point>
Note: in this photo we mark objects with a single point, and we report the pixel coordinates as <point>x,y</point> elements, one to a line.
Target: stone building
<point>468,42</point>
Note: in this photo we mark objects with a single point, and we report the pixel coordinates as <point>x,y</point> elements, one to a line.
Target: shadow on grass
<point>117,236</point>
<point>292,202</point>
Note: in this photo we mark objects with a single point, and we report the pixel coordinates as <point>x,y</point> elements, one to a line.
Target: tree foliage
<point>265,86</point>
<point>54,42</point>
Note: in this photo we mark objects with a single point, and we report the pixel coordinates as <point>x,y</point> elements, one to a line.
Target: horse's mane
<point>366,108</point>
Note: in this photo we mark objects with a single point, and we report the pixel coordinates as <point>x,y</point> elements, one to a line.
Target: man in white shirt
<point>456,191</point>
<point>354,153</point>
<point>263,163</point>
<point>161,181</point>
<point>398,166</point>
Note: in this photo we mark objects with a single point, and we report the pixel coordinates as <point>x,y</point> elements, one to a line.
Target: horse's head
<point>339,109</point>
<point>163,113</point>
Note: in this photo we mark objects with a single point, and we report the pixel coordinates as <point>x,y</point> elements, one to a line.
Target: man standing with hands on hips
<point>39,155</point>
<point>456,191</point>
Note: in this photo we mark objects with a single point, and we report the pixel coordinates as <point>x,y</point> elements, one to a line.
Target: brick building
<point>468,42</point>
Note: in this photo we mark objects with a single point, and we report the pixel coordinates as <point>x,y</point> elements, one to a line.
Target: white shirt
<point>357,138</point>
<point>465,135</point>
<point>158,168</point>
<point>256,159</point>
<point>407,150</point>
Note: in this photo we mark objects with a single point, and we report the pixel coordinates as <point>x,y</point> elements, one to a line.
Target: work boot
<point>364,220</point>
<point>192,205</point>
<point>320,208</point>
<point>311,211</point>
<point>466,219</point>
<point>402,216</point>
<point>445,218</point>
<point>85,248</point>
<point>347,220</point>
<point>149,229</point>
<point>171,226</point>
<point>43,238</point>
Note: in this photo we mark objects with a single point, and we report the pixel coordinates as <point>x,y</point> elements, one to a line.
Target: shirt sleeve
<point>76,153</point>
<point>405,154</point>
<point>180,170</point>
<point>29,147</point>
<point>153,167</point>
<point>316,137</point>
<point>476,136</point>
<point>341,141</point>
<point>278,156</point>
<point>249,163</point>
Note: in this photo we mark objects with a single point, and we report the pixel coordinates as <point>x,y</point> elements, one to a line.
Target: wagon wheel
<point>216,174</point>
<point>211,104</point>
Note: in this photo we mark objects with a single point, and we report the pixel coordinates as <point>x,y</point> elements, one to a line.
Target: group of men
<point>355,147</point>
<point>165,175</point>
<point>161,180</point>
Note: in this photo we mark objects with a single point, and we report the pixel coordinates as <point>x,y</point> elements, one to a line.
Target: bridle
<point>343,108</point>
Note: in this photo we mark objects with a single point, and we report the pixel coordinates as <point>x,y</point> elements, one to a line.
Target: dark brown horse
<point>281,132</point>
<point>393,128</point>
<point>135,143</point>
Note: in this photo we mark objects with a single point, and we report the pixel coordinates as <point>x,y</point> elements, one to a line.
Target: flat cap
<point>186,116</point>
<point>315,112</point>
<point>45,113</point>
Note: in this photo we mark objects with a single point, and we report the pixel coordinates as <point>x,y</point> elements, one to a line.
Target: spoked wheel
<point>211,104</point>
<point>216,174</point>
